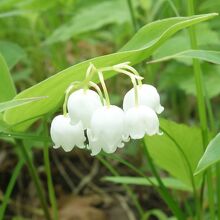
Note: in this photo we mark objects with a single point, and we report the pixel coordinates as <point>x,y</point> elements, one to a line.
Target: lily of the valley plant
<point>90,121</point>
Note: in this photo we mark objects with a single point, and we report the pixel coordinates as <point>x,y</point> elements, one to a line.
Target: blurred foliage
<point>32,32</point>
<point>39,38</point>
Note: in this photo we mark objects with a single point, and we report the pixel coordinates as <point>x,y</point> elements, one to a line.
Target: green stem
<point>96,87</point>
<point>201,107</point>
<point>132,13</point>
<point>10,187</point>
<point>72,87</point>
<point>52,195</point>
<point>89,72</point>
<point>102,81</point>
<point>197,201</point>
<point>217,166</point>
<point>168,198</point>
<point>218,187</point>
<point>211,194</point>
<point>135,91</point>
<point>174,8</point>
<point>36,179</point>
<point>121,67</point>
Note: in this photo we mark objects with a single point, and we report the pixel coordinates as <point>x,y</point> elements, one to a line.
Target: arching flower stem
<point>96,87</point>
<point>133,80</point>
<point>89,74</point>
<point>123,68</point>
<point>72,87</point>
<point>130,68</point>
<point>102,81</point>
<point>135,90</point>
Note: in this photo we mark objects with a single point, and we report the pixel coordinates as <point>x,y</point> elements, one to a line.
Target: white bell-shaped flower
<point>81,105</point>
<point>66,135</point>
<point>147,95</point>
<point>107,130</point>
<point>141,120</point>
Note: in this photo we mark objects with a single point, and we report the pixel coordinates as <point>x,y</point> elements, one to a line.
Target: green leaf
<point>35,5</point>
<point>12,53</point>
<point>164,150</point>
<point>211,80</point>
<point>211,155</point>
<point>183,79</point>
<point>141,46</point>
<point>15,13</point>
<point>168,182</point>
<point>18,102</point>
<point>182,39</point>
<point>7,87</point>
<point>205,55</point>
<point>91,18</point>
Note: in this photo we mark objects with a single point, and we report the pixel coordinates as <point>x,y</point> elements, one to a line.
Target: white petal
<point>56,146</point>
<point>95,150</point>
<point>147,95</point>
<point>107,128</point>
<point>109,148</point>
<point>94,144</point>
<point>141,120</point>
<point>66,135</point>
<point>121,145</point>
<point>159,109</point>
<point>81,105</point>
<point>67,148</point>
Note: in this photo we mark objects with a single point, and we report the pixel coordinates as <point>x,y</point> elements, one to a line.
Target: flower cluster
<point>90,121</point>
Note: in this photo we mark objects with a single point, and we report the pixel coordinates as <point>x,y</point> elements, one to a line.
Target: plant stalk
<point>188,166</point>
<point>36,179</point>
<point>10,188</point>
<point>132,13</point>
<point>51,191</point>
<point>201,107</point>
<point>163,190</point>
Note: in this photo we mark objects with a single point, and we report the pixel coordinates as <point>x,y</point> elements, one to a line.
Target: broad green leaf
<point>164,150</point>
<point>168,182</point>
<point>205,55</point>
<point>91,18</point>
<point>141,46</point>
<point>7,87</point>
<point>12,53</point>
<point>18,102</point>
<point>211,155</point>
